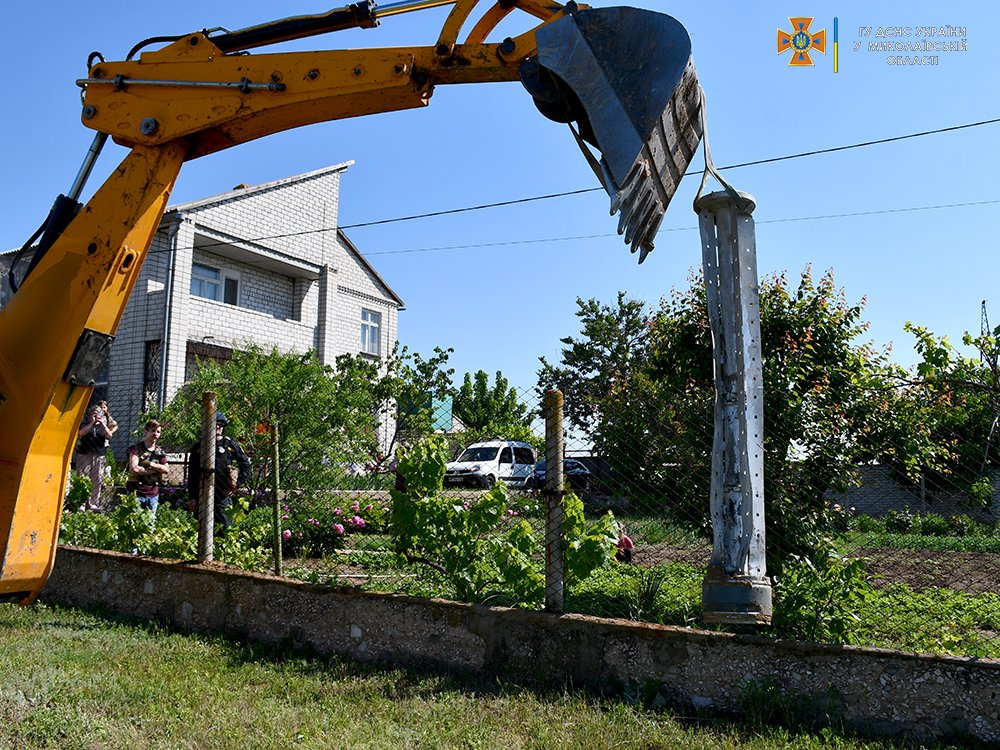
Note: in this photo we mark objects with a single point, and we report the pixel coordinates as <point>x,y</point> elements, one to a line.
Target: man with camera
<point>90,453</point>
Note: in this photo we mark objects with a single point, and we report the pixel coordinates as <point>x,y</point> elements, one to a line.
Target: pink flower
<point>284,517</point>
<point>355,506</point>
<point>337,511</point>
<point>313,521</point>
<point>368,507</point>
<point>286,534</point>
<point>357,522</point>
<point>338,528</point>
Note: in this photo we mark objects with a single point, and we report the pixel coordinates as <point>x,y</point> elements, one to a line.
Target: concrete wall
<point>879,492</point>
<point>875,691</point>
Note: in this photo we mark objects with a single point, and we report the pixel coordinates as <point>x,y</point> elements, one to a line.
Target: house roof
<point>245,190</point>
<point>242,191</point>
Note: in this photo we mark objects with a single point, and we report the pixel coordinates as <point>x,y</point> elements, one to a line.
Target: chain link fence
<point>872,553</point>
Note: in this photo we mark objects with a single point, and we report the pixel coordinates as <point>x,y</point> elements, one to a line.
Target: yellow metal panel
<point>84,281</point>
<point>162,99</point>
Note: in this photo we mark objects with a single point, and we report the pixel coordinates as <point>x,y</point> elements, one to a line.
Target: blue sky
<point>501,307</point>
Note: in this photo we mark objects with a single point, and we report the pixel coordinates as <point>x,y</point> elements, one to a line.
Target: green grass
<point>69,679</point>
<point>658,530</point>
<point>935,620</point>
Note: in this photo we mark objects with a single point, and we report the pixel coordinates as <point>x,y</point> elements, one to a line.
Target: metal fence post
<point>206,496</point>
<point>275,483</point>
<point>736,588</point>
<point>553,494</point>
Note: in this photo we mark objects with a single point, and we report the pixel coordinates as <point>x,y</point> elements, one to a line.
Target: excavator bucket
<point>626,77</point>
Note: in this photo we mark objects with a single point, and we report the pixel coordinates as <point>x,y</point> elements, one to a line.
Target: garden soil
<point>969,572</point>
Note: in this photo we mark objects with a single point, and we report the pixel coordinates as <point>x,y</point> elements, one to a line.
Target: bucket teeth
<point>629,77</point>
<point>658,168</point>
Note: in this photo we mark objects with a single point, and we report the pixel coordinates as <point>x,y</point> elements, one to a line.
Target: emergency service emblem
<point>801,41</point>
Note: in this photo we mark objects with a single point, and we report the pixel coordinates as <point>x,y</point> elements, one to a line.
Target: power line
<point>569,193</point>
<point>470,208</point>
<point>771,160</point>
<point>687,229</point>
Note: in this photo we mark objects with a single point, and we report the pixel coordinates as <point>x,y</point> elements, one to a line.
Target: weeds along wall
<point>873,691</point>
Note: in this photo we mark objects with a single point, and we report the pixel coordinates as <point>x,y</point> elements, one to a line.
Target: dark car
<point>576,475</point>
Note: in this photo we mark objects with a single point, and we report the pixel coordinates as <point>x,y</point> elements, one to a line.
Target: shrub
<point>962,525</point>
<point>819,599</point>
<point>901,521</point>
<point>80,488</point>
<point>248,542</point>
<point>981,493</point>
<point>482,546</point>
<point>312,526</point>
<point>170,533</point>
<point>866,524</point>
<point>932,524</point>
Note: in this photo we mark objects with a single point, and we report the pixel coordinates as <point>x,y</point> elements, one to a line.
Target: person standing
<point>232,469</point>
<point>147,467</point>
<point>90,453</point>
<point>109,420</point>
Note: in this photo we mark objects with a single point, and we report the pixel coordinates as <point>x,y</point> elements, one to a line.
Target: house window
<point>151,374</point>
<point>205,281</point>
<point>211,283</point>
<point>371,332</point>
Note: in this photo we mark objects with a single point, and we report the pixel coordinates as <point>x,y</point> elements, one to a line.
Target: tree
<point>408,387</point>
<point>328,417</point>
<point>957,399</point>
<point>491,411</point>
<point>640,384</point>
<point>608,394</point>
<point>830,402</point>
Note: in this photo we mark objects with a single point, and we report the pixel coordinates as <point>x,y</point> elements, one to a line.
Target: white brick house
<point>264,264</point>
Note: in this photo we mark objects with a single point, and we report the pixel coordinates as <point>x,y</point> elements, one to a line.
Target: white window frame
<point>218,282</point>
<point>371,332</point>
<point>204,280</point>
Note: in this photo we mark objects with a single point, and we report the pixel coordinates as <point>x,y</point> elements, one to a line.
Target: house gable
<point>265,265</point>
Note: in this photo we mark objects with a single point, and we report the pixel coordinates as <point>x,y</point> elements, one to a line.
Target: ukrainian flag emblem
<point>801,41</point>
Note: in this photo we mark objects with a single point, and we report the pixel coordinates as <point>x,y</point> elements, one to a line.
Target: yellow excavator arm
<point>622,77</point>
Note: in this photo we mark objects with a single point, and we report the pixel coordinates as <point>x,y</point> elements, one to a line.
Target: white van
<point>485,464</point>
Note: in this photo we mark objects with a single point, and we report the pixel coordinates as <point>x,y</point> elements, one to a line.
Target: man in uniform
<point>232,469</point>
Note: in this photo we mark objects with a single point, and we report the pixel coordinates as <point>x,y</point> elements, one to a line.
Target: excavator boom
<point>622,78</point>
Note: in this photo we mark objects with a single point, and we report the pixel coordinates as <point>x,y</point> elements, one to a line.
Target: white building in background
<point>264,264</point>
